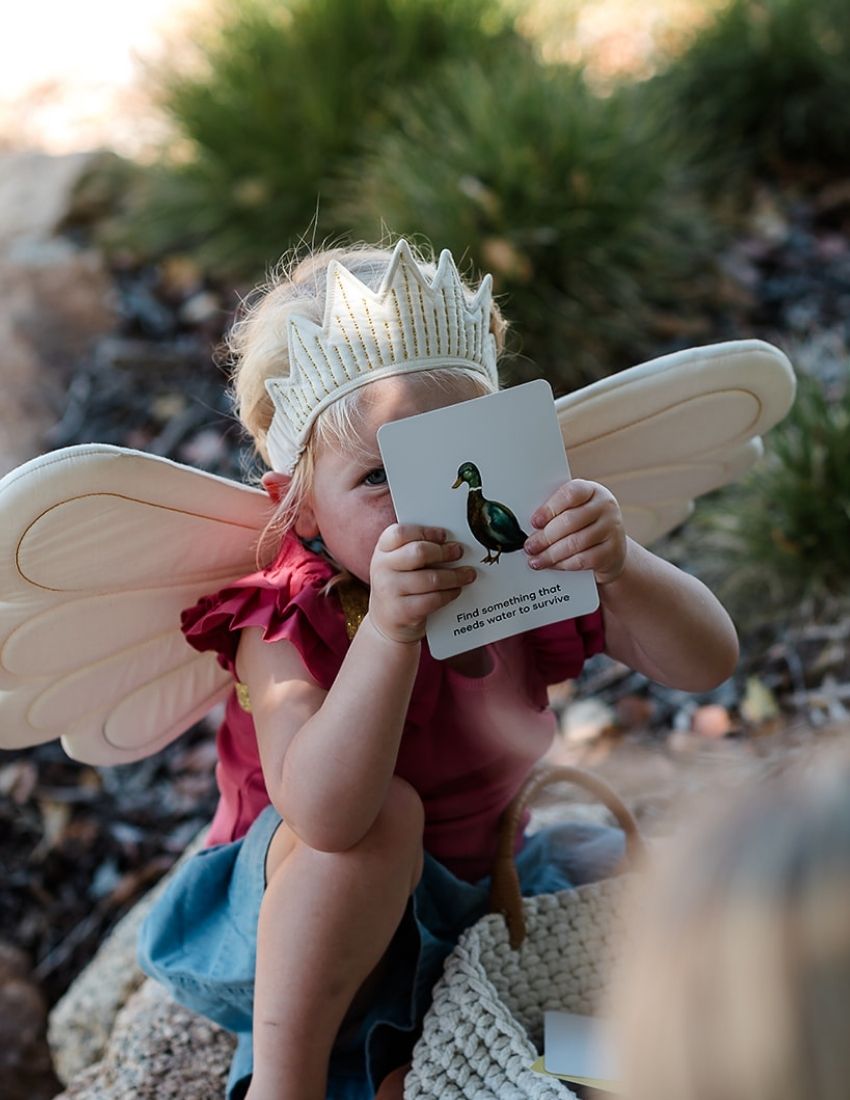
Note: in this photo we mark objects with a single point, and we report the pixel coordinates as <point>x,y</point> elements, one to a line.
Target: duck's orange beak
<point>458,482</point>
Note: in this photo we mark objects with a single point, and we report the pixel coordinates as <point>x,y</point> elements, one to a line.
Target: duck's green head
<point>468,472</point>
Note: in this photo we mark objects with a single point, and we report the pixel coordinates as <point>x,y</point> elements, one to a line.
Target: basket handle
<point>505,892</point>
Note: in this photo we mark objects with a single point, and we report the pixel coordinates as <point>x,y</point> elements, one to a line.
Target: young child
<point>362,780</point>
<point>737,983</point>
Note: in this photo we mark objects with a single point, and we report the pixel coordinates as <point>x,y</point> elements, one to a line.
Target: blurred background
<point>638,179</point>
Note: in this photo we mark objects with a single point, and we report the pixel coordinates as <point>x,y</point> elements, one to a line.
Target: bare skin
<point>341,909</point>
<point>392,1086</point>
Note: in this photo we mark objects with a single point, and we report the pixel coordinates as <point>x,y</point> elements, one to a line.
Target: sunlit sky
<point>71,78</point>
<point>69,70</point>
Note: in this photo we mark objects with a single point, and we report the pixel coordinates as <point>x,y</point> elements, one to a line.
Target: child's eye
<point>376,477</point>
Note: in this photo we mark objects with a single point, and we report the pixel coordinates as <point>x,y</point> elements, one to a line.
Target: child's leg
<point>392,1086</point>
<point>325,922</point>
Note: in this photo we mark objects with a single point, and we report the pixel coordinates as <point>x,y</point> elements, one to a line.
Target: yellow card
<point>591,1082</point>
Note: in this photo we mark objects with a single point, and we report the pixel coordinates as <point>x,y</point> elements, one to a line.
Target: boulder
<point>42,194</point>
<point>81,1023</point>
<point>25,1069</point>
<point>54,302</point>
<point>158,1050</point>
<point>56,298</point>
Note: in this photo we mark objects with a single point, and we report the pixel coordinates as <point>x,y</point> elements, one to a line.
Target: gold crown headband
<point>408,324</point>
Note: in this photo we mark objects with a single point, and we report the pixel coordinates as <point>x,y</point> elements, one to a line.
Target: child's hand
<point>579,527</point>
<point>410,578</point>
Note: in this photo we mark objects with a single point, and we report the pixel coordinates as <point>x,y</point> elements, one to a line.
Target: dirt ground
<point>664,780</point>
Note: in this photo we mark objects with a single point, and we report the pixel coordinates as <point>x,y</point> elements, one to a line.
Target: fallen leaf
<point>759,704</point>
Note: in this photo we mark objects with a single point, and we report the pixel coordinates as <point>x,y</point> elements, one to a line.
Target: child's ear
<point>305,525</point>
<point>276,485</point>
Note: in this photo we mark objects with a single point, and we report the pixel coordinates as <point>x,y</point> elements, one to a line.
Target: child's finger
<point>422,605</point>
<point>569,495</point>
<point>564,524</point>
<point>578,543</point>
<point>601,559</point>
<point>423,581</point>
<point>414,556</point>
<point>400,534</point>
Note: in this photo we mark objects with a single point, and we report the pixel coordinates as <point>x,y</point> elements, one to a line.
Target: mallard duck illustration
<point>494,525</point>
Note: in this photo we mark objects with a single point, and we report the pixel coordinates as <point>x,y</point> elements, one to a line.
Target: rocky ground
<point>80,846</point>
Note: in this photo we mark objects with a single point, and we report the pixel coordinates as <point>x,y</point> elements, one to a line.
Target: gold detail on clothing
<point>354,598</point>
<point>243,697</point>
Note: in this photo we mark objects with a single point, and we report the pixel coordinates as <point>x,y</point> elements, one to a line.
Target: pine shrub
<point>282,93</point>
<point>578,205</point>
<point>781,538</point>
<point>764,88</point>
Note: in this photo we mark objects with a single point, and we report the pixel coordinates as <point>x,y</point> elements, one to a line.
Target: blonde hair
<point>737,983</point>
<point>255,349</point>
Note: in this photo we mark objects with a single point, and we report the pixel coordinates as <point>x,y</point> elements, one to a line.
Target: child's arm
<point>658,620</point>
<point>328,757</point>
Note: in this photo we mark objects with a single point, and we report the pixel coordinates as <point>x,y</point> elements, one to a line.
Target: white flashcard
<point>578,1048</point>
<point>480,469</point>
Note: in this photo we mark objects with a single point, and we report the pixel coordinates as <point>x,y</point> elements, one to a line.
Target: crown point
<point>413,322</point>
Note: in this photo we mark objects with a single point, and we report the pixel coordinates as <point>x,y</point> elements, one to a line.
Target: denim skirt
<point>200,941</point>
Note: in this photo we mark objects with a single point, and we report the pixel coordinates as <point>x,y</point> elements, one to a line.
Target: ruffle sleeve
<point>559,650</point>
<point>286,601</point>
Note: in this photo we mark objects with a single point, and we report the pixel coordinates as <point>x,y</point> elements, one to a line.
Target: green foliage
<point>783,535</point>
<point>576,203</point>
<point>766,84</point>
<point>287,92</point>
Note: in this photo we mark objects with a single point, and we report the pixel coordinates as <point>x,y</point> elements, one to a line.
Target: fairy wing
<point>662,433</point>
<point>100,549</point>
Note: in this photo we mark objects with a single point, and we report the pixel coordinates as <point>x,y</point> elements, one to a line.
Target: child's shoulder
<point>295,567</point>
<point>286,599</point>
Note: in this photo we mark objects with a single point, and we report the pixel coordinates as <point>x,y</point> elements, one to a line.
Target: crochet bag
<point>485,1024</point>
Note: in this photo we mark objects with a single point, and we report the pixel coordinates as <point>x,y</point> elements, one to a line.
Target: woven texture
<point>485,1025</point>
<point>410,323</point>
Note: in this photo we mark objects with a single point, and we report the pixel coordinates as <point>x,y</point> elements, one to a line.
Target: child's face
<point>350,504</point>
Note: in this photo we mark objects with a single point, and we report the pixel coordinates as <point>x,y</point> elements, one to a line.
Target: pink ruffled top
<point>468,743</point>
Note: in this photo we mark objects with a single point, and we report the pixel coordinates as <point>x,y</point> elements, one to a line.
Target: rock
<point>201,308</point>
<point>158,1050</point>
<point>55,298</point>
<point>560,695</point>
<point>54,302</point>
<point>587,719</point>
<point>42,194</point>
<point>36,192</point>
<point>554,813</point>
<point>25,1069</point>
<point>712,720</point>
<point>81,1022</point>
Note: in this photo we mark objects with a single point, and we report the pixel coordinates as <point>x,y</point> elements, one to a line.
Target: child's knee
<point>400,824</point>
<point>394,839</point>
<point>403,809</point>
